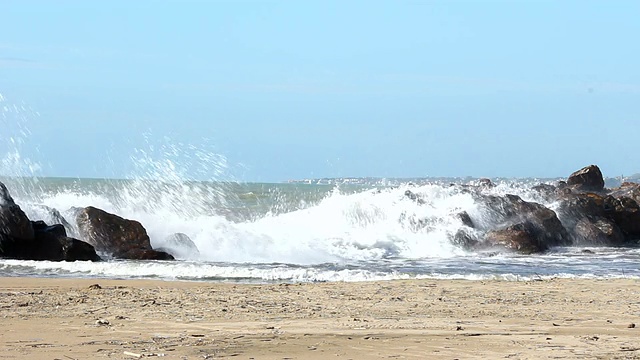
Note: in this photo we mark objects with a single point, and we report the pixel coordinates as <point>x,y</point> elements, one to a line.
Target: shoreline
<point>56,318</point>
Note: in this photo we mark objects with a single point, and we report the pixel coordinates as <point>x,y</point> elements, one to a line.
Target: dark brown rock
<point>14,222</point>
<point>627,189</point>
<point>523,237</point>
<point>577,205</point>
<point>600,231</point>
<point>49,243</point>
<point>587,179</point>
<point>520,225</point>
<point>511,209</point>
<point>625,212</point>
<point>122,238</point>
<point>147,254</point>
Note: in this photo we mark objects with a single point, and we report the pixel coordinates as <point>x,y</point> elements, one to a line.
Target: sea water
<point>294,232</point>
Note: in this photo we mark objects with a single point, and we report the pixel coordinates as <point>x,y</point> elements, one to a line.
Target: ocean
<point>297,232</point>
<point>307,231</point>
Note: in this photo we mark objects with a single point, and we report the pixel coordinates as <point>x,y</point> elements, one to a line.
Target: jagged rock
<point>14,223</point>
<point>600,231</point>
<point>524,238</point>
<point>575,206</point>
<point>547,191</point>
<point>465,239</point>
<point>466,219</point>
<point>5,197</point>
<point>122,238</point>
<point>521,225</point>
<point>49,215</point>
<point>601,219</point>
<point>180,246</point>
<point>587,179</point>
<point>49,243</point>
<point>627,189</point>
<point>625,212</point>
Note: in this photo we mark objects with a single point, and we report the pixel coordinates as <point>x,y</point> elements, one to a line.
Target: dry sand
<point>418,319</point>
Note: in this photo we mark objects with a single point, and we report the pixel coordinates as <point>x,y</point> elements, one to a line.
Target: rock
<point>598,219</point>
<point>14,223</point>
<point>122,238</point>
<point>147,254</point>
<point>415,197</point>
<point>548,192</point>
<point>600,231</point>
<point>49,215</point>
<point>485,182</point>
<point>76,250</point>
<point>466,219</point>
<point>49,243</point>
<point>523,237</point>
<point>5,197</point>
<point>180,246</point>
<point>511,209</point>
<point>630,190</point>
<point>587,179</point>
<point>625,212</point>
<point>573,207</point>
<point>522,226</point>
<point>465,239</point>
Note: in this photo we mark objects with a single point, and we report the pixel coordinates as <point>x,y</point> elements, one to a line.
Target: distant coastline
<point>610,182</point>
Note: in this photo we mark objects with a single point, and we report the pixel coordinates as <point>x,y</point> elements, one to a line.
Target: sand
<point>417,319</point>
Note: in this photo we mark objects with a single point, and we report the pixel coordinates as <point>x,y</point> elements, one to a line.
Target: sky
<point>309,89</point>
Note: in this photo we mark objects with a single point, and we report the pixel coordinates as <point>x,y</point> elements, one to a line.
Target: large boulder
<point>522,226</point>
<point>599,231</point>
<point>525,238</point>
<point>601,219</point>
<point>587,179</point>
<point>49,243</point>
<point>14,223</point>
<point>122,238</point>
<point>574,206</point>
<point>625,212</point>
<point>627,189</point>
<point>465,238</point>
<point>547,192</point>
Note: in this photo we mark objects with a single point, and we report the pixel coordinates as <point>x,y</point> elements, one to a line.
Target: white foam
<point>343,227</point>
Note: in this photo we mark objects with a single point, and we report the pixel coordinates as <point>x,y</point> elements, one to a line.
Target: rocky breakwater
<point>585,214</point>
<point>23,239</point>
<point>99,231</point>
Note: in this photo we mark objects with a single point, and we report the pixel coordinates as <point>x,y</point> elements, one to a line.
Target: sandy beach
<point>418,319</point>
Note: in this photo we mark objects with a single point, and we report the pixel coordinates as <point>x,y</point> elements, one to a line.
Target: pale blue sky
<point>297,89</point>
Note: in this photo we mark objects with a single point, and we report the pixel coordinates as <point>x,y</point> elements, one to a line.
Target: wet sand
<point>417,319</point>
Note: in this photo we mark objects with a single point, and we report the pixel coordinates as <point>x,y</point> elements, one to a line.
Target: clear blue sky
<point>298,89</point>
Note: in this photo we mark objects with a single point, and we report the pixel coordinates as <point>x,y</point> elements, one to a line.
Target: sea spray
<point>17,170</point>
